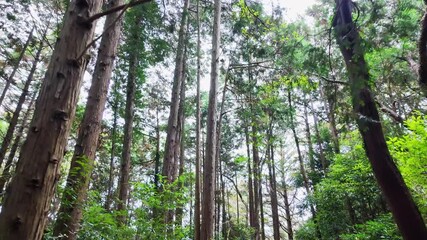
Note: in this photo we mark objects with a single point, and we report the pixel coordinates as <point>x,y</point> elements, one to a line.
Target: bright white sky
<point>294,8</point>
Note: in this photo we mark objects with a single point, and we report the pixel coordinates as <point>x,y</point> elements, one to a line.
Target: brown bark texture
<point>273,187</point>
<point>169,161</point>
<point>127,139</point>
<point>70,213</point>
<point>208,208</point>
<point>392,185</point>
<point>422,51</point>
<point>198,130</point>
<point>28,197</point>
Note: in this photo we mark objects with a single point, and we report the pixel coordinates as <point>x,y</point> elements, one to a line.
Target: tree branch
<point>115,9</point>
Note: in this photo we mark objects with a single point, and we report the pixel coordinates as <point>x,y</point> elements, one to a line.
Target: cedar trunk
<point>397,195</point>
<point>128,137</point>
<point>70,213</point>
<point>172,143</point>
<point>27,201</point>
<point>198,122</point>
<point>209,165</point>
<point>273,187</point>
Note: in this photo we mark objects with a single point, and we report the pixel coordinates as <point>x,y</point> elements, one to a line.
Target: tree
<point>209,169</point>
<point>27,202</point>
<point>397,195</point>
<point>74,196</point>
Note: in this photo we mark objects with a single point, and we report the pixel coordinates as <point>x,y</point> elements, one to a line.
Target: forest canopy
<point>236,119</point>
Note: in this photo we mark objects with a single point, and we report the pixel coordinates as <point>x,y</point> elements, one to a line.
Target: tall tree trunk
<point>70,213</point>
<point>224,212</point>
<point>422,51</point>
<point>329,102</point>
<point>198,130</point>
<point>5,177</point>
<point>10,79</point>
<point>109,198</point>
<point>322,156</point>
<point>181,157</point>
<point>128,134</point>
<point>252,215</point>
<point>301,166</point>
<point>209,166</point>
<point>309,141</point>
<point>288,216</point>
<point>257,179</point>
<point>218,160</point>
<point>157,156</point>
<point>14,121</point>
<point>261,208</point>
<point>397,195</point>
<point>272,179</point>
<point>171,141</point>
<point>28,200</point>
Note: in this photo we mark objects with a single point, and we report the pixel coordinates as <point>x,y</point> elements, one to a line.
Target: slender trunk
<point>252,215</point>
<point>322,156</point>
<point>10,79</point>
<point>171,142</point>
<point>70,213</point>
<point>218,160</point>
<point>224,212</point>
<point>329,103</point>
<point>257,178</point>
<point>302,168</point>
<point>273,188</point>
<point>288,213</point>
<point>181,123</point>
<point>5,177</point>
<point>110,191</point>
<point>261,209</point>
<point>128,137</point>
<point>288,216</point>
<point>157,157</point>
<point>198,115</point>
<point>209,166</point>
<point>14,121</point>
<point>309,142</point>
<point>27,204</point>
<point>397,195</point>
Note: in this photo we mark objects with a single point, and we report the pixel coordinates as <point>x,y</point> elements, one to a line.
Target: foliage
<point>382,227</point>
<point>410,152</point>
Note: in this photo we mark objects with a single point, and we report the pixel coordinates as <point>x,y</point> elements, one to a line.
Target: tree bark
<point>422,51</point>
<point>252,215</point>
<point>169,161</point>
<point>14,121</point>
<point>181,152</point>
<point>198,130</point>
<point>70,213</point>
<point>288,216</point>
<point>109,198</point>
<point>392,185</point>
<point>28,198</point>
<point>209,166</point>
<point>273,188</point>
<point>128,137</point>
<point>302,168</point>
